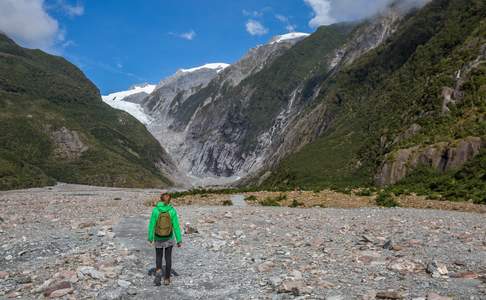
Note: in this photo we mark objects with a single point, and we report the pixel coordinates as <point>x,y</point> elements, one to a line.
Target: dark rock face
<point>441,157</point>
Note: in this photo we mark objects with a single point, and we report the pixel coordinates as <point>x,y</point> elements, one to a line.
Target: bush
<point>227,203</point>
<point>364,192</point>
<point>269,201</point>
<point>386,199</point>
<point>296,203</point>
<point>251,198</point>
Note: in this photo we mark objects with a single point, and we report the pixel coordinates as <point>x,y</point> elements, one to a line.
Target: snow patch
<point>147,88</point>
<point>214,66</point>
<point>288,36</point>
<point>115,100</point>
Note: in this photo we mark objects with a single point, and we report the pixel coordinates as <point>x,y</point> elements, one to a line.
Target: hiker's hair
<point>164,194</point>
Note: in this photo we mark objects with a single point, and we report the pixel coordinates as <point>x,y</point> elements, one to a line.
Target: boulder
<point>91,272</point>
<point>3,275</point>
<point>266,266</point>
<point>62,288</point>
<point>434,296</point>
<point>295,287</point>
<point>391,295</point>
<point>437,269</point>
<point>61,293</point>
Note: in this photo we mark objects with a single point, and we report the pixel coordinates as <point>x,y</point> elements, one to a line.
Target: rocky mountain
<point>192,123</point>
<point>354,104</point>
<point>411,111</point>
<point>54,127</point>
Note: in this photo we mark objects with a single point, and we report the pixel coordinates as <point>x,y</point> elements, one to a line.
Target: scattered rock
<point>101,233</point>
<point>266,266</point>
<point>14,295</point>
<point>23,279</point>
<point>62,288</point>
<point>391,295</point>
<point>189,229</point>
<point>123,283</point>
<point>61,293</point>
<point>370,295</point>
<point>437,269</point>
<point>70,276</point>
<point>335,297</point>
<point>367,238</point>
<point>434,296</point>
<point>91,272</point>
<point>465,275</point>
<point>8,257</point>
<point>390,245</point>
<point>111,294</point>
<point>86,225</point>
<point>275,281</point>
<point>403,265</point>
<point>295,287</point>
<point>3,275</point>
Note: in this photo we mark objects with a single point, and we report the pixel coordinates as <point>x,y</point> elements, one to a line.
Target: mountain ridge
<point>55,127</point>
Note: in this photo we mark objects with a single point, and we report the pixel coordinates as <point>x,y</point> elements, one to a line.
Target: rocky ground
<point>77,242</point>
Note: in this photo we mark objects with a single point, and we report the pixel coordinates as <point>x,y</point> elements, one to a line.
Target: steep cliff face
<point>440,157</point>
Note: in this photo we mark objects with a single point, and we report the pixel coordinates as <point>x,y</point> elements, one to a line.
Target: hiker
<point>163,228</point>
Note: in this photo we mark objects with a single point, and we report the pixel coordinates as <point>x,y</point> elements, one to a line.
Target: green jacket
<point>176,231</point>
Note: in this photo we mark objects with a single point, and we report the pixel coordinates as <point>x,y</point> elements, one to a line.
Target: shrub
<point>295,203</point>
<point>364,192</point>
<point>227,203</point>
<point>386,199</point>
<point>251,198</point>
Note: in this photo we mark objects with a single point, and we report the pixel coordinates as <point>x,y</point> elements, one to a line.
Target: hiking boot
<point>158,278</point>
<point>166,281</point>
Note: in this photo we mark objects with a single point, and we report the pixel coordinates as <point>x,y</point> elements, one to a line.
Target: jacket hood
<point>163,207</point>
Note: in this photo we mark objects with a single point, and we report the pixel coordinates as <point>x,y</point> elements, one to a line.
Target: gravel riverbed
<point>77,242</point>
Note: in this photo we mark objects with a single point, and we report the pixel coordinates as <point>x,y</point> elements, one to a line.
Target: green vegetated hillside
<point>400,84</point>
<point>54,127</point>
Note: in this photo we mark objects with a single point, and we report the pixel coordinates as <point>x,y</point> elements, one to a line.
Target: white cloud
<point>256,28</point>
<point>28,23</point>
<point>254,13</point>
<point>190,35</point>
<point>289,26</point>
<point>69,9</point>
<point>322,13</point>
<point>327,12</point>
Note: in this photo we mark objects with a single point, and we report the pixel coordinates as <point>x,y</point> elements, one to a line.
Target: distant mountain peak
<point>213,66</point>
<point>288,36</point>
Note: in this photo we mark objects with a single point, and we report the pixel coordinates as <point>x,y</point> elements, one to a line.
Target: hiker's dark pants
<point>159,253</point>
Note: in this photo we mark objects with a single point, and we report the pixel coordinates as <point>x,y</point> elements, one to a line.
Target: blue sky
<point>118,43</point>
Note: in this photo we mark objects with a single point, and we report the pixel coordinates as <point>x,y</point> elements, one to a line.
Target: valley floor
<point>82,242</point>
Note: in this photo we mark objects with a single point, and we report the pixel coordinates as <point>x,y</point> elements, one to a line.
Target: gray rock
<point>91,272</point>
<point>123,283</point>
<point>441,157</point>
<point>437,269</point>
